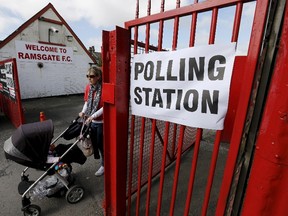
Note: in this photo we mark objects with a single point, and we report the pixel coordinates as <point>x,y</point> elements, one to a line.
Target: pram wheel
<point>32,210</point>
<point>74,194</point>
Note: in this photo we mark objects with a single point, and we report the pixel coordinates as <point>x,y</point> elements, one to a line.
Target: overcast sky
<point>88,18</point>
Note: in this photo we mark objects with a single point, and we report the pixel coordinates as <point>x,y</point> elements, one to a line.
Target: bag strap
<point>84,131</point>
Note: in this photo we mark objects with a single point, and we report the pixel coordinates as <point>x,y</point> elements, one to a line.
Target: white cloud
<point>87,18</point>
<point>249,9</point>
<point>96,42</point>
<point>203,28</point>
<point>97,13</point>
<point>6,22</point>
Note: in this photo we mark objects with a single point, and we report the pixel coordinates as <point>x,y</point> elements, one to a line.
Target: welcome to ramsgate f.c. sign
<point>188,86</point>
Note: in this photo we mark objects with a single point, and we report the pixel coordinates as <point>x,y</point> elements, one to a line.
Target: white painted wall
<point>55,78</point>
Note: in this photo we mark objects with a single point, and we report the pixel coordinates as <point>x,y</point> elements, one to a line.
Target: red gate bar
<point>249,70</point>
<point>161,26</point>
<point>115,60</point>
<point>235,80</point>
<point>213,25</point>
<point>161,140</point>
<point>267,192</point>
<point>193,171</point>
<point>174,139</point>
<point>131,147</point>
<point>175,32</point>
<point>192,10</point>
<point>237,21</point>
<point>150,173</point>
<point>177,169</point>
<point>218,133</point>
<point>193,29</point>
<point>163,166</point>
<point>140,165</point>
<point>211,172</point>
<point>183,11</point>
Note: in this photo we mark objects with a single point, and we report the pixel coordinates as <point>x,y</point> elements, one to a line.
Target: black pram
<point>30,145</point>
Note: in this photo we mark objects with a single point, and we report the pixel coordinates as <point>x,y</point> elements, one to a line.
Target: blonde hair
<point>95,70</point>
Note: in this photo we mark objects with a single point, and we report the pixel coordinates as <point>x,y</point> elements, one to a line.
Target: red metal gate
<point>268,180</point>
<point>143,154</point>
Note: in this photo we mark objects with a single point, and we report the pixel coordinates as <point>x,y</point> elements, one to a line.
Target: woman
<point>93,112</point>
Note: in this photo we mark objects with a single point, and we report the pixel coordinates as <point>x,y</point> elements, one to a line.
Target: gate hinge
<point>108,93</point>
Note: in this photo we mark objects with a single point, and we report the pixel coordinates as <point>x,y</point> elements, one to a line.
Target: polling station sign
<point>37,52</point>
<point>188,86</point>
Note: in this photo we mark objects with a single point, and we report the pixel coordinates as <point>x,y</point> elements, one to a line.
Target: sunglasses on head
<point>90,76</point>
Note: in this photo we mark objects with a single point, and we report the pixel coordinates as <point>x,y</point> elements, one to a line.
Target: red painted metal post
<point>213,26</point>
<point>174,136</point>
<point>140,165</point>
<point>177,170</point>
<point>252,57</point>
<point>236,80</point>
<point>176,28</point>
<point>211,172</point>
<point>130,165</point>
<point>163,165</point>
<point>267,192</point>
<point>236,84</point>
<point>150,174</point>
<point>193,171</point>
<point>116,60</point>
<point>193,30</point>
<point>237,21</point>
<point>193,10</point>
<point>161,27</point>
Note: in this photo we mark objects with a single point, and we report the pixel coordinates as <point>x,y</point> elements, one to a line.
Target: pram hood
<point>29,143</point>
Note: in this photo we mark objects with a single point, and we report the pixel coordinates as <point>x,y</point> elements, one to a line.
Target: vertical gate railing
<point>234,162</point>
<point>116,99</point>
<point>138,136</point>
<point>153,144</point>
<point>267,182</point>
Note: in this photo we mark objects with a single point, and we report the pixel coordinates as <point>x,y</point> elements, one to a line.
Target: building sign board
<point>36,52</point>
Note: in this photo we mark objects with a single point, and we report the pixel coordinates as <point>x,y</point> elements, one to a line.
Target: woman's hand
<point>81,115</point>
<point>89,120</point>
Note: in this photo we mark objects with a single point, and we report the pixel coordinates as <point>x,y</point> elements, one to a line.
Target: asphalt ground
<point>61,110</point>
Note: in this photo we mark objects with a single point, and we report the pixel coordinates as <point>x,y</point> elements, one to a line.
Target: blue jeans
<point>97,140</point>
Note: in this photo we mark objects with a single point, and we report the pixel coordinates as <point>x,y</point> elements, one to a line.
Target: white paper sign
<point>188,87</point>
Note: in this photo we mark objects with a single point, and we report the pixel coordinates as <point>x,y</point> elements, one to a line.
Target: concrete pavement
<point>62,110</point>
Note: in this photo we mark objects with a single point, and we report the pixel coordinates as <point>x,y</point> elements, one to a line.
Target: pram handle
<point>52,146</point>
<point>85,130</point>
<point>76,119</point>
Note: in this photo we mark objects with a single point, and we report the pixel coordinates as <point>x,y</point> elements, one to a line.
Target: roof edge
<point>38,15</point>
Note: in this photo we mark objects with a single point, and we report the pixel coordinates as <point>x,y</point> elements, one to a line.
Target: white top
<point>95,115</point>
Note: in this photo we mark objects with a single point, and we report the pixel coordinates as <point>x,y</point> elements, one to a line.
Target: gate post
<point>268,179</point>
<point>116,83</point>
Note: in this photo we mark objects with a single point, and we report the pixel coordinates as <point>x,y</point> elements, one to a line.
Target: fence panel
<point>154,144</point>
<point>10,92</point>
